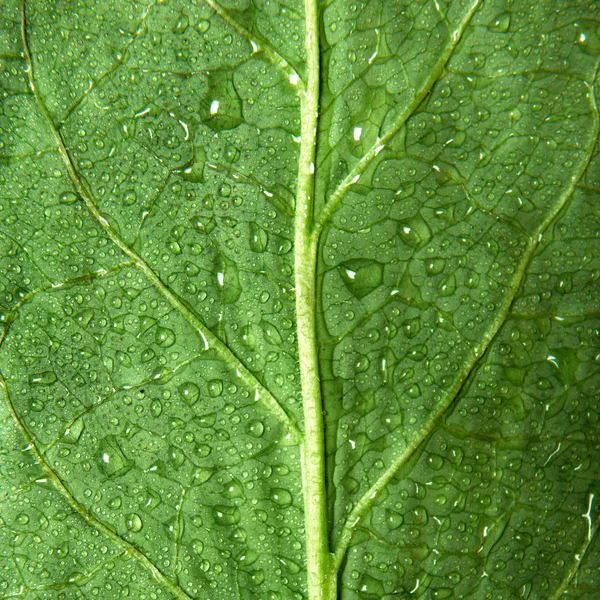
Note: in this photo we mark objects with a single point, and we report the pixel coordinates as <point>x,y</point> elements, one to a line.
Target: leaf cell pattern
<point>153,427</point>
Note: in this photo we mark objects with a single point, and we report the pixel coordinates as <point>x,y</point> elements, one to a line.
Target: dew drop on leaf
<point>190,393</point>
<point>215,388</point>
<point>255,428</point>
<point>134,522</point>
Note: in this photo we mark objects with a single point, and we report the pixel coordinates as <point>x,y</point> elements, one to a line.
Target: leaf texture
<point>299,299</point>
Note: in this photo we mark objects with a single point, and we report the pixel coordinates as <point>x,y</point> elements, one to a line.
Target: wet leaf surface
<point>152,415</point>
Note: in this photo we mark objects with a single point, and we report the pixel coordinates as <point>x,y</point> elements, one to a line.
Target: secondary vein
<point>274,56</point>
<point>367,499</point>
<point>130,549</point>
<point>209,339</point>
<point>353,176</point>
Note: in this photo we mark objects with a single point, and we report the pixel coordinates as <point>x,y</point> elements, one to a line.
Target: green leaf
<point>299,299</point>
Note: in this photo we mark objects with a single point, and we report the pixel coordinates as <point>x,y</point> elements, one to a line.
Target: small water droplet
<point>281,497</point>
<point>215,388</point>
<point>255,428</point>
<point>134,522</point>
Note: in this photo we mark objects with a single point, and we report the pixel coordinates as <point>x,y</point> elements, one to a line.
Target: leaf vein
<point>82,511</point>
<point>209,338</point>
<point>366,500</point>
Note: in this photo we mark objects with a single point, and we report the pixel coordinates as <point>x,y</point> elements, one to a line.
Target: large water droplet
<point>258,238</point>
<point>281,497</point>
<point>434,266</point>
<point>448,286</point>
<point>501,23</point>
<point>228,279</point>
<point>190,392</point>
<point>43,378</point>
<point>164,338</point>
<point>272,333</point>
<point>233,489</point>
<point>134,522</point>
<point>227,515</point>
<point>414,232</point>
<point>215,388</point>
<point>361,276</point>
<point>255,428</point>
<point>73,433</point>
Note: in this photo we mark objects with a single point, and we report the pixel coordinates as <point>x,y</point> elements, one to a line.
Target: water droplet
<point>190,393</point>
<point>411,327</point>
<point>248,337</point>
<point>197,546</point>
<point>408,290</point>
<point>414,232</point>
<point>85,316</point>
<point>233,489</point>
<point>448,286</point>
<point>203,25</point>
<point>215,388</point>
<point>68,198</point>
<point>37,405</point>
<point>156,408</point>
<point>111,459</point>
<point>361,364</point>
<point>73,433</point>
<point>228,279</point>
<point>281,497</point>
<point>164,338</point>
<point>258,238</point>
<point>115,503</point>
<point>501,23</point>
<point>272,333</point>
<point>181,25</point>
<point>225,190</point>
<point>43,378</point>
<point>414,391</point>
<point>134,522</point>
<point>129,198</point>
<point>434,266</point>
<point>473,280</point>
<point>361,276</point>
<point>261,515</point>
<point>257,577</point>
<point>255,428</point>
<point>227,515</point>
<point>177,456</point>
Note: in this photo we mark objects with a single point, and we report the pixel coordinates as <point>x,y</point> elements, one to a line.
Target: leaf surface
<point>299,300</point>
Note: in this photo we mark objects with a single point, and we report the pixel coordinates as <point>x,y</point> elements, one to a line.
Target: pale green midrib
<point>129,548</point>
<point>367,499</point>
<point>334,201</point>
<point>320,580</point>
<point>275,57</point>
<point>208,337</point>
